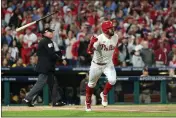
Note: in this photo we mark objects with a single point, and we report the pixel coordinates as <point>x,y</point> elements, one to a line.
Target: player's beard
<point>111,32</point>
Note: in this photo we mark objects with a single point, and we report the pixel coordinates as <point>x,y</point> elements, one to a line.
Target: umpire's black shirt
<point>46,56</point>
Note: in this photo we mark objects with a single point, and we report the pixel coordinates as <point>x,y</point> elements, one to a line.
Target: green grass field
<point>78,111</point>
<point>81,113</point>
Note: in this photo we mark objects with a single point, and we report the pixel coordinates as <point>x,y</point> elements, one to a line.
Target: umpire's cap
<point>48,33</point>
<point>48,30</point>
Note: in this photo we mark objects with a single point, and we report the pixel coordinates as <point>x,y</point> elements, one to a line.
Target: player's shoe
<point>104,100</point>
<point>29,103</point>
<point>88,107</point>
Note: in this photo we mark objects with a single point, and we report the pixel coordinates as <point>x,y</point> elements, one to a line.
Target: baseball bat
<point>29,24</point>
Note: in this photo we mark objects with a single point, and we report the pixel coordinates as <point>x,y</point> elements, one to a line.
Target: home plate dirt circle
<point>98,108</point>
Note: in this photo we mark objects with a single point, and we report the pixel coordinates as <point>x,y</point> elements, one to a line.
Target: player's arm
<point>92,45</point>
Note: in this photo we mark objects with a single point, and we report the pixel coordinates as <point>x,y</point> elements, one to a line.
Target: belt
<point>101,64</point>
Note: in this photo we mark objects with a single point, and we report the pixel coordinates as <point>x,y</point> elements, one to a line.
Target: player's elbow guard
<point>91,48</point>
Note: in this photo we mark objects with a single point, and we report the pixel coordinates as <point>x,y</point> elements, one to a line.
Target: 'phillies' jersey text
<point>104,48</point>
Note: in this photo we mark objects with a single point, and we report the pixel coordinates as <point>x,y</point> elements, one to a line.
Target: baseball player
<point>102,48</point>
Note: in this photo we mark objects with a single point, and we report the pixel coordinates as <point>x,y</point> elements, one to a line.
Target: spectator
<point>92,17</point>
<point>119,16</point>
<point>157,5</point>
<point>145,88</point>
<point>68,18</point>
<point>62,35</point>
<point>147,55</point>
<point>172,71</point>
<point>4,51</point>
<point>3,9</point>
<point>131,44</point>
<point>124,53</point>
<point>152,41</point>
<point>25,18</point>
<point>136,58</point>
<point>14,51</point>
<point>8,39</point>
<point>55,24</point>
<point>110,6</point>
<point>33,62</point>
<point>83,91</point>
<point>34,45</point>
<point>15,19</point>
<point>9,59</point>
<point>69,44</point>
<point>74,50</point>
<point>35,15</point>
<point>99,7</point>
<point>123,64</point>
<point>5,63</point>
<point>172,53</point>
<point>19,63</point>
<point>8,13</point>
<point>83,57</point>
<point>22,94</point>
<point>19,41</point>
<point>161,55</point>
<point>83,31</point>
<point>171,91</point>
<point>173,62</point>
<point>29,39</point>
<point>3,39</point>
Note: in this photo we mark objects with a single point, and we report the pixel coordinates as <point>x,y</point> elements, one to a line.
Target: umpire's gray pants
<point>42,80</point>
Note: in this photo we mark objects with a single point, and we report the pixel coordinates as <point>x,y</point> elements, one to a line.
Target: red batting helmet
<point>106,25</point>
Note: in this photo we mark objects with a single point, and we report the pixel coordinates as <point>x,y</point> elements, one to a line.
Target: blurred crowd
<point>146,30</point>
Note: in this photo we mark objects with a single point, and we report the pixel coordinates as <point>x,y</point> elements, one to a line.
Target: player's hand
<point>64,62</point>
<point>93,40</point>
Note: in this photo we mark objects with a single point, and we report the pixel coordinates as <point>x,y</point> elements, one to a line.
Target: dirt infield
<point>110,108</point>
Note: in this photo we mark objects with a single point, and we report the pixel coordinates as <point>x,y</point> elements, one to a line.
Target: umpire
<point>47,57</point>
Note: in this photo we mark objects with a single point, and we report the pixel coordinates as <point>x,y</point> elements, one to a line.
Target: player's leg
<point>94,74</point>
<point>110,73</point>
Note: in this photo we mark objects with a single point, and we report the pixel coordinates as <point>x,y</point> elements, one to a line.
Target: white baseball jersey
<point>104,48</point>
<point>103,54</point>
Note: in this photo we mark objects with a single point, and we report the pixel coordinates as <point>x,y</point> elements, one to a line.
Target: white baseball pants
<point>97,70</point>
